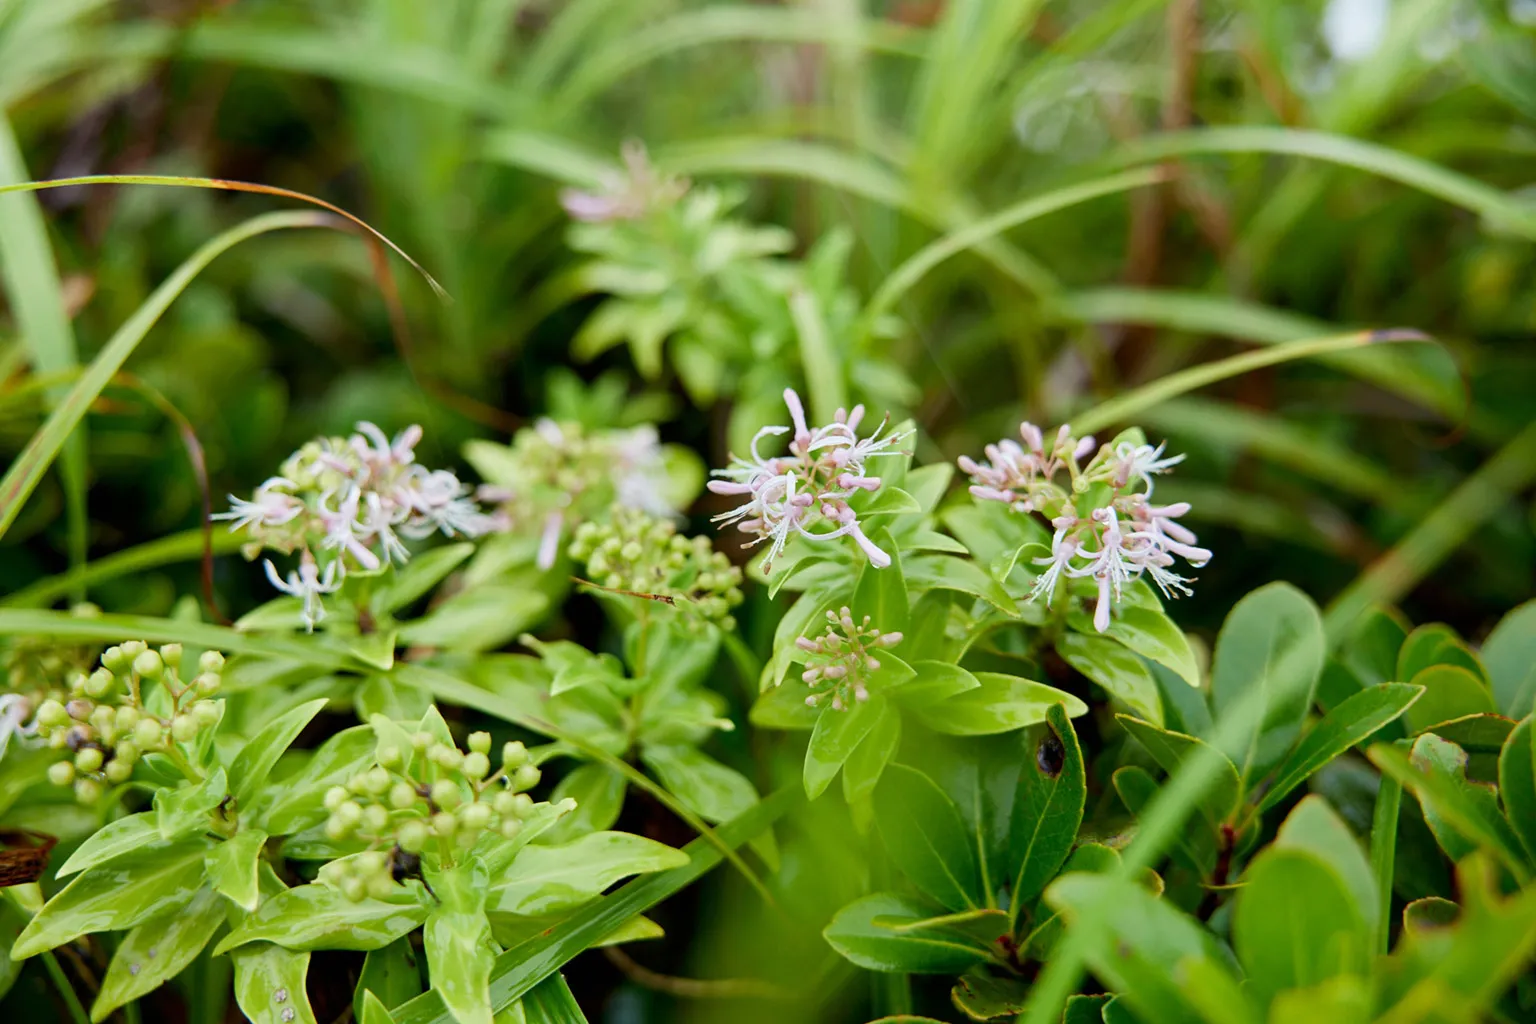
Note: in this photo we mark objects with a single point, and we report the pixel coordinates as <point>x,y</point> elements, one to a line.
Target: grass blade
<point>36,299</point>
<point>1128,405</point>
<point>28,469</point>
<point>519,969</point>
<point>179,547</point>
<point>1389,798</point>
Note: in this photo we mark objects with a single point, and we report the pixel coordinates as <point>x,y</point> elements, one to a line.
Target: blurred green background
<point>864,129</point>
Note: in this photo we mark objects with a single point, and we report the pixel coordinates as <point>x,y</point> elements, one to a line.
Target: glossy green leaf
<point>1085,1009</point>
<point>317,916</point>
<point>159,878</point>
<point>1047,810</point>
<point>179,812</point>
<point>836,735</point>
<point>156,951</point>
<point>391,975</point>
<point>1510,657</point>
<point>865,766</point>
<point>983,994</point>
<point>1351,722</point>
<point>113,839</point>
<point>1461,813</point>
<point>1133,940</point>
<point>1271,640</point>
<point>784,707</point>
<point>1111,665</point>
<point>269,984</point>
<point>961,575</point>
<point>1149,632</point>
<point>232,867</point>
<point>370,1009</point>
<point>881,594</point>
<point>1450,691</point>
<point>1171,749</point>
<point>1314,826</point>
<point>933,681</point>
<point>1195,848</point>
<point>423,572</point>
<point>1517,783</point>
<point>253,764</point>
<point>926,838</point>
<point>599,794</point>
<point>869,932</point>
<point>1435,644</point>
<point>478,619</point>
<point>1001,703</point>
<point>1482,737</point>
<point>1093,858</point>
<point>542,879</point>
<point>460,953</point>
<point>713,791</point>
<point>299,801</point>
<point>551,1002</point>
<point>1372,647</point>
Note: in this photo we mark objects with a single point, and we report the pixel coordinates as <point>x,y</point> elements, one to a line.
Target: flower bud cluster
<point>843,658</point>
<point>344,503</point>
<point>627,196</point>
<point>430,796</point>
<point>806,491</point>
<point>555,476</point>
<point>33,669</point>
<point>114,716</point>
<point>644,554</point>
<point>1121,538</point>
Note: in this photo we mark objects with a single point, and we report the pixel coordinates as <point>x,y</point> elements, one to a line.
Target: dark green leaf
<point>1316,828</point>
<point>1273,641</point>
<point>251,766</point>
<point>1352,722</point>
<point>864,767</point>
<point>926,838</point>
<point>158,879</point>
<point>982,994</point>
<point>551,1002</point>
<point>269,984</point>
<point>1150,633</point>
<point>1001,703</point>
<point>783,707</point>
<point>1195,848</point>
<point>881,594</point>
<point>421,574</point>
<point>391,974</point>
<point>599,794</point>
<point>1435,644</point>
<point>710,789</point>
<point>542,879</point>
<point>1115,668</point>
<point>933,681</point>
<point>1510,656</point>
<point>1517,783</point>
<point>1372,648</point>
<point>866,932</point>
<point>156,951</point>
<point>833,740</point>
<point>1171,749</point>
<point>299,801</point>
<point>1048,808</point>
<point>1450,691</point>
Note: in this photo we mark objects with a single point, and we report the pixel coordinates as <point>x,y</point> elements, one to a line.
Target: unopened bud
<point>61,773</point>
<point>526,777</point>
<point>149,665</point>
<point>480,742</point>
<point>211,661</point>
<point>445,794</point>
<point>88,760</point>
<point>171,655</point>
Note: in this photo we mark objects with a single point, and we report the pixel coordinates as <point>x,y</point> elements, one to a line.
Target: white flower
<point>307,584</point>
<point>790,494</point>
<point>342,529</point>
<point>439,501</point>
<point>640,471</point>
<point>1138,463</point>
<point>15,713</point>
<point>270,507</point>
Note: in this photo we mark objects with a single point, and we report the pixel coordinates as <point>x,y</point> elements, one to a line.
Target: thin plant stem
<point>66,990</point>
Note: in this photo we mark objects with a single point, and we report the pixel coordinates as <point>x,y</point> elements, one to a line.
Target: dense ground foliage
<point>647,510</point>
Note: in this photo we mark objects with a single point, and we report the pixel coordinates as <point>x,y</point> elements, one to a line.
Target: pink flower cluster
<point>1119,540</point>
<point>805,492</point>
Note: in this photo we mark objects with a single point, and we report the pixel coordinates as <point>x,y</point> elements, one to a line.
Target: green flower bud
<point>381,886</point>
<point>376,780</point>
<point>421,741</point>
<point>444,824</point>
<point>184,728</point>
<point>446,794</point>
<point>127,719</point>
<point>526,777</point>
<point>211,661</point>
<point>474,817</point>
<point>510,827</point>
<point>51,715</point>
<point>149,665</point>
<point>414,835</point>
<point>375,818</point>
<point>391,757</point>
<point>451,758</point>
<point>133,648</point>
<point>513,755</point>
<point>104,716</point>
<point>61,773</point>
<point>401,796</point>
<point>370,862</point>
<point>114,659</point>
<point>79,710</point>
<point>350,813</point>
<point>148,733</point>
<point>171,654</point>
<point>505,803</point>
<point>87,791</point>
<point>127,752</point>
<point>480,742</point>
<point>334,797</point>
<point>354,889</point>
<point>358,784</point>
<point>99,683</point>
<point>88,760</point>
<point>336,829</point>
<point>207,684</point>
<point>477,766</point>
<point>118,771</point>
<point>522,805</point>
<point>206,712</point>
